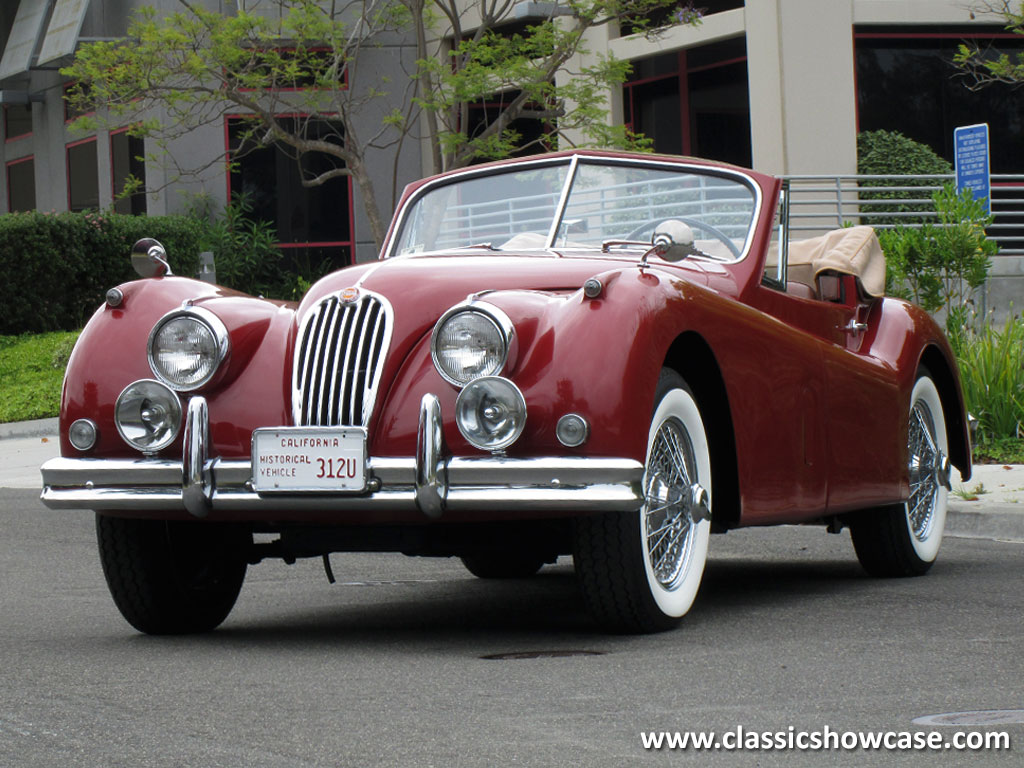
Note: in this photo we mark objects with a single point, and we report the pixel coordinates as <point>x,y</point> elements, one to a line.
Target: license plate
<point>307,459</point>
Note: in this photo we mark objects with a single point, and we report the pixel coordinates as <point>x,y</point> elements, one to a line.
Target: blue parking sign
<point>970,144</point>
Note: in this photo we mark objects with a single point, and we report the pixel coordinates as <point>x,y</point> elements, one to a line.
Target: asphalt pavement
<point>988,506</point>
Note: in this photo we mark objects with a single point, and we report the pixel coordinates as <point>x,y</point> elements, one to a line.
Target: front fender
<point>599,358</point>
<point>111,353</point>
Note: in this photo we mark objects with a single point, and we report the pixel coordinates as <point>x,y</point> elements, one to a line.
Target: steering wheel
<point>712,230</point>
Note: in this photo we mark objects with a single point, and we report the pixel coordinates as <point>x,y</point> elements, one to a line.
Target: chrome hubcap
<point>929,470</point>
<point>675,503</point>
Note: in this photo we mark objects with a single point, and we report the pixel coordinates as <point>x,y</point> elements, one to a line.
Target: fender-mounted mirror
<point>149,258</point>
<point>673,240</point>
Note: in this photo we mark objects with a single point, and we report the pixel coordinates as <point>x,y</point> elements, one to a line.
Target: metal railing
<point>819,203</point>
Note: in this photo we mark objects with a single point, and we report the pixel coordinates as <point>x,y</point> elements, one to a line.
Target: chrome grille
<point>338,361</point>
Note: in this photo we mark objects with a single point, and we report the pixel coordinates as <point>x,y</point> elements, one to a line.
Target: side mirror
<point>673,240</point>
<point>149,258</point>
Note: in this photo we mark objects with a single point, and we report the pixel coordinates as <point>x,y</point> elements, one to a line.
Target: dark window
<point>531,131</point>
<point>21,185</point>
<point>126,159</point>
<point>270,178</point>
<point>83,176</point>
<point>17,120</point>
<point>909,84</point>
<point>694,102</point>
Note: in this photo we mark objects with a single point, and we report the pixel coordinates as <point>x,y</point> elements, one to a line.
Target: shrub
<point>890,153</point>
<point>992,374</point>
<point>940,265</point>
<point>57,267</point>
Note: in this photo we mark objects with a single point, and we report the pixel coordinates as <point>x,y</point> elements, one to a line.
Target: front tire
<point>170,578</point>
<point>640,571</point>
<point>904,539</point>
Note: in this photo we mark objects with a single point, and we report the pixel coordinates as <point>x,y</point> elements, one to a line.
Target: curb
<point>1001,522</point>
<point>37,428</point>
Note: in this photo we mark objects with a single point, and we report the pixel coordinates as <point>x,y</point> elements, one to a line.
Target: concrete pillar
<point>803,107</point>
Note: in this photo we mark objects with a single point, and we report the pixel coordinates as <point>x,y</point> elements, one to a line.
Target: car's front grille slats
<point>338,361</point>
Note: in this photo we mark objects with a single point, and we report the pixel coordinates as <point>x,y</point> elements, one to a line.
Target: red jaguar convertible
<point>604,355</point>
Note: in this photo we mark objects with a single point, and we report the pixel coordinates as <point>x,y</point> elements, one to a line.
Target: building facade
<point>781,85</point>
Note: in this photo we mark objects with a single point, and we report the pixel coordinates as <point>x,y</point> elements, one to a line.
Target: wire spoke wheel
<point>667,511</point>
<point>904,539</point>
<point>925,465</point>
<point>640,571</point>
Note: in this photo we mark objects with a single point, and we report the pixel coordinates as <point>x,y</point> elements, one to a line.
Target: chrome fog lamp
<point>186,347</point>
<point>572,430</point>
<point>82,434</point>
<point>148,415</point>
<point>468,343</point>
<point>490,413</point>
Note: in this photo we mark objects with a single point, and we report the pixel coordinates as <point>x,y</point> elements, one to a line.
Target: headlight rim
<point>520,405</point>
<point>501,322</point>
<point>178,419</point>
<point>216,327</point>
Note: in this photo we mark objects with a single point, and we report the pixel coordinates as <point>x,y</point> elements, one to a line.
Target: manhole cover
<point>512,655</point>
<point>978,717</point>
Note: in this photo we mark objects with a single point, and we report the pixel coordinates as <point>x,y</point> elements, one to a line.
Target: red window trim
<point>7,175</point>
<point>351,243</point>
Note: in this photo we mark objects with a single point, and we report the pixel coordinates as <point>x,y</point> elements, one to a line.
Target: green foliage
<point>1002,450</point>
<point>991,364</point>
<point>988,66</point>
<point>32,370</point>
<point>246,255</point>
<point>890,153</point>
<point>58,267</point>
<point>940,265</point>
<point>312,58</point>
<point>244,251</point>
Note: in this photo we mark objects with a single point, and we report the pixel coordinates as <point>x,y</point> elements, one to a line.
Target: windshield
<point>590,204</point>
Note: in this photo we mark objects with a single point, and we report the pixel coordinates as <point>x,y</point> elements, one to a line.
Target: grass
<point>32,370</point>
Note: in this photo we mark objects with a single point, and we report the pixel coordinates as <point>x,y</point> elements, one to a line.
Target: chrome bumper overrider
<point>431,482</point>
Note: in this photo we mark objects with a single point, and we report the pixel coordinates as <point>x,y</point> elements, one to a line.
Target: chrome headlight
<point>148,415</point>
<point>186,347</point>
<point>491,413</point>
<point>470,341</point>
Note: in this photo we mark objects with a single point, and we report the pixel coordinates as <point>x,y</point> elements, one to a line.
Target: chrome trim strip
<point>556,220</point>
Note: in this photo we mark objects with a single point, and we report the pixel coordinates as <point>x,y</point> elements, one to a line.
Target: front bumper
<point>429,484</point>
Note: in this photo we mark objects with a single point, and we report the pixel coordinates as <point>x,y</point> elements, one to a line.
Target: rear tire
<point>904,539</point>
<point>640,571</point>
<point>170,578</point>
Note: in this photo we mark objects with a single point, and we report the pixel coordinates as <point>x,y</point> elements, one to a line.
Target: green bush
<point>890,153</point>
<point>57,267</point>
<point>992,374</point>
<point>938,266</point>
